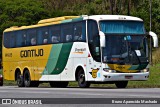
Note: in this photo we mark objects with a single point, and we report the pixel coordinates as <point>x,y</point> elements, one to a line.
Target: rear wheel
<point>121,84</point>
<point>81,79</point>
<point>59,84</point>
<point>20,81</point>
<point>28,82</point>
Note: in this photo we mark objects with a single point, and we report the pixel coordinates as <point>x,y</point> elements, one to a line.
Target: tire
<point>59,84</point>
<point>28,82</point>
<point>20,80</point>
<point>81,79</point>
<point>121,84</point>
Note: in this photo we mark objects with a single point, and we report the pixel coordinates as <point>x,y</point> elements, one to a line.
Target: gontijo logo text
<point>31,53</point>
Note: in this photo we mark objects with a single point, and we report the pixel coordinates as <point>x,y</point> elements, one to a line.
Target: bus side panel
<point>12,70</point>
<point>82,63</point>
<point>6,70</point>
<point>79,53</point>
<point>38,68</point>
<point>67,74</point>
<point>94,72</point>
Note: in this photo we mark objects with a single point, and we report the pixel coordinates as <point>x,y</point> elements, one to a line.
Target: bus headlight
<point>106,69</point>
<point>109,70</point>
<point>145,70</point>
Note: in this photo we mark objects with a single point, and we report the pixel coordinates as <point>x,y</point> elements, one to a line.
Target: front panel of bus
<point>125,55</point>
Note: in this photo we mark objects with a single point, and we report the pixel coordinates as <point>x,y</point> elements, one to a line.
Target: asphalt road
<point>16,92</point>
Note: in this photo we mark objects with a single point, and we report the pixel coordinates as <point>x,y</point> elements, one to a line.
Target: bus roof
<point>64,19</point>
<point>45,22</point>
<point>114,17</point>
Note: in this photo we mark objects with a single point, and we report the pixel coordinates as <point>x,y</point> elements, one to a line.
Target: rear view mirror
<point>155,38</point>
<point>102,39</point>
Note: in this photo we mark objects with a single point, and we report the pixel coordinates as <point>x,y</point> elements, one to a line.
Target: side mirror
<point>155,38</point>
<point>102,39</point>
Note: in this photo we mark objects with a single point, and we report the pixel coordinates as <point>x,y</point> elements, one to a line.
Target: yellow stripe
<point>122,68</point>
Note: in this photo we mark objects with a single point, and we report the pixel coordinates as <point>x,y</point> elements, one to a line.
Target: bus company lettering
<point>8,55</point>
<point>31,53</point>
<point>80,50</point>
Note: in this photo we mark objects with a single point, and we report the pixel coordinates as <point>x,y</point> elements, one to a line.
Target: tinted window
<point>55,34</point>
<point>31,37</point>
<point>94,40</point>
<point>80,31</point>
<point>10,40</point>
<point>43,36</point>
<point>6,40</point>
<point>67,32</point>
<point>20,38</point>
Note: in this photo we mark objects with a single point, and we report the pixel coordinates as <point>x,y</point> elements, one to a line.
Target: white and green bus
<point>87,49</point>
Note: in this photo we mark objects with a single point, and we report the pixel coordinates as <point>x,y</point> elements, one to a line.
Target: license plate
<point>128,77</point>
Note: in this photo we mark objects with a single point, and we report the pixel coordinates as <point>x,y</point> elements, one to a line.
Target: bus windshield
<point>131,49</point>
<point>125,27</point>
<point>125,42</point>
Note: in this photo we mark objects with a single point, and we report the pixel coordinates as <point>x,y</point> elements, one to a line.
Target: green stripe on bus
<point>138,67</point>
<point>66,21</point>
<point>53,58</point>
<point>77,19</point>
<point>58,58</point>
<point>133,67</point>
<point>142,66</point>
<point>63,58</point>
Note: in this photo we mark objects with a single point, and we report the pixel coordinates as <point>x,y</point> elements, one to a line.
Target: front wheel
<point>121,84</point>
<point>81,80</point>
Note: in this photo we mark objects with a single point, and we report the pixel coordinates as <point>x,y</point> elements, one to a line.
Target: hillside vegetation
<point>27,12</point>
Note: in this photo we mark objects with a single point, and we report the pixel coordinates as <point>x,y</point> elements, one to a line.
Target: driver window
<point>94,39</point>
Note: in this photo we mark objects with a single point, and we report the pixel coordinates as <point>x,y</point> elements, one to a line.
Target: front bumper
<point>125,76</point>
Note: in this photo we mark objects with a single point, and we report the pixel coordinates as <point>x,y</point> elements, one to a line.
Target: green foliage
<point>27,12</point>
<point>20,12</point>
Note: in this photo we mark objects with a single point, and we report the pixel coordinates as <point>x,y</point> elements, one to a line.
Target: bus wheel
<point>59,84</point>
<point>28,82</point>
<point>81,80</point>
<point>121,84</point>
<point>20,81</point>
<point>27,79</point>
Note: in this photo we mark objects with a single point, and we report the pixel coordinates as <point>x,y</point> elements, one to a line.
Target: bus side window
<point>12,40</point>
<point>31,37</point>
<point>80,31</point>
<point>43,36</point>
<point>67,32</point>
<point>20,38</point>
<point>54,34</point>
<point>24,36</point>
<point>6,40</point>
<point>94,40</point>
